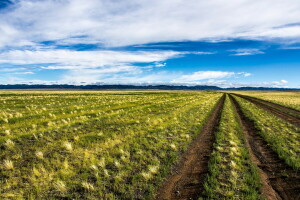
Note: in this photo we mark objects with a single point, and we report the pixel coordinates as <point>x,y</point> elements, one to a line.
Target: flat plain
<point>149,145</point>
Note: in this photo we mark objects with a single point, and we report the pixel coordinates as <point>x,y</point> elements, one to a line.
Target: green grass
<point>97,145</point>
<point>287,98</point>
<point>122,145</point>
<point>283,137</point>
<point>231,173</point>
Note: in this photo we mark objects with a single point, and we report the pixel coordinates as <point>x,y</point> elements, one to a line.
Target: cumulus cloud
<point>284,81</point>
<point>279,83</point>
<point>120,23</point>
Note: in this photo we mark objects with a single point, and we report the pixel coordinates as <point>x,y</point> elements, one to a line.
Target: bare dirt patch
<point>186,181</point>
<point>279,181</point>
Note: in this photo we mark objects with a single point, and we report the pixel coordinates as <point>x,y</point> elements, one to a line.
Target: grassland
<point>231,173</point>
<point>95,145</point>
<point>281,135</point>
<point>287,98</point>
<point>129,144</point>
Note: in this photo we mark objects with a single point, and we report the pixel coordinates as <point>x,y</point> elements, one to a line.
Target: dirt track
<point>283,112</point>
<point>279,181</point>
<point>186,182</point>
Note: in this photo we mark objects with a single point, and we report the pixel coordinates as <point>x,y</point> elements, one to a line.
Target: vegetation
<point>289,99</point>
<point>231,174</point>
<point>283,137</point>
<point>122,145</point>
<point>94,145</point>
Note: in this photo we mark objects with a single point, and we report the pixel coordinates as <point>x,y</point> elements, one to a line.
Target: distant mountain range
<point>134,87</point>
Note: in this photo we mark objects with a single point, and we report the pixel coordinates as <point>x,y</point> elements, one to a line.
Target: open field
<point>286,98</point>
<point>149,145</point>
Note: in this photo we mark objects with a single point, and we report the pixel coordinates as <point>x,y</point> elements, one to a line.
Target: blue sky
<point>244,43</point>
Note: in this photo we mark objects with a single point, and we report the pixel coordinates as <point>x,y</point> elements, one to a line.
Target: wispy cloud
<point>290,47</point>
<point>21,73</point>
<point>68,59</point>
<point>246,52</point>
<point>88,66</point>
<point>201,52</point>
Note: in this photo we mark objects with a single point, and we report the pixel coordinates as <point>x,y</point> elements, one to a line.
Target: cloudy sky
<point>241,43</point>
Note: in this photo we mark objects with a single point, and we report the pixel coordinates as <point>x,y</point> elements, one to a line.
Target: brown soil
<point>279,181</point>
<point>283,112</point>
<point>186,181</point>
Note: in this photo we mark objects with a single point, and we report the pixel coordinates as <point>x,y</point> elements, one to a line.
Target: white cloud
<point>130,77</point>
<point>67,59</point>
<point>135,75</point>
<point>201,53</point>
<point>119,23</point>
<point>136,22</point>
<point>235,84</point>
<point>245,74</point>
<point>102,74</point>
<point>290,47</point>
<point>90,66</point>
<point>87,66</point>
<point>279,83</point>
<point>160,64</point>
<point>292,33</point>
<point>246,52</point>
<point>22,73</point>
<point>11,69</point>
<point>227,84</point>
<point>204,75</point>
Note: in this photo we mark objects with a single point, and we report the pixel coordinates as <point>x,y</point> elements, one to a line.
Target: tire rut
<point>186,183</point>
<point>279,181</point>
<point>275,109</point>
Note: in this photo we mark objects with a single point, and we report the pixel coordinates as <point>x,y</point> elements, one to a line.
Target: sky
<point>178,42</point>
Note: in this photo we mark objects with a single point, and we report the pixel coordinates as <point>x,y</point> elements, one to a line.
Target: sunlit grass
<point>95,145</point>
<point>231,173</point>
<point>282,136</point>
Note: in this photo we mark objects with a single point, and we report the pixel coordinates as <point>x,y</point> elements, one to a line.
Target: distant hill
<point>260,88</point>
<point>133,87</point>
